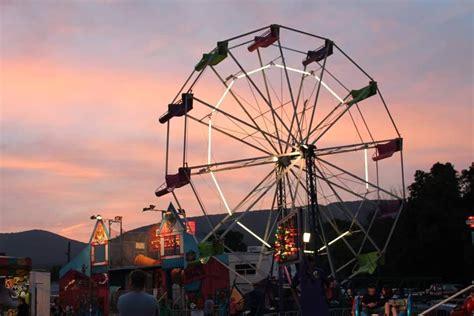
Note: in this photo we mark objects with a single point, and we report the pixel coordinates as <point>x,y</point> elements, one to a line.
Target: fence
<point>444,307</point>
<point>332,312</point>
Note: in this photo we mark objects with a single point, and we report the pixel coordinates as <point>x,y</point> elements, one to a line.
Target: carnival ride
<point>286,121</point>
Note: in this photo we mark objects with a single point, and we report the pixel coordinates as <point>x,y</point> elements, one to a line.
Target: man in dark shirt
<point>137,302</point>
<point>370,300</point>
<point>23,308</point>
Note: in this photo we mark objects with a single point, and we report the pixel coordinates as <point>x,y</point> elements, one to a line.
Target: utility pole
<point>68,252</point>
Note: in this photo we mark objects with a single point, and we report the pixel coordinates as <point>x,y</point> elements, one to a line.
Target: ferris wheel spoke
<point>302,32</point>
<point>331,221</point>
<point>281,107</point>
<point>184,85</point>
<point>357,105</point>
<point>237,221</point>
<point>201,206</point>
<point>260,92</point>
<point>295,109</point>
<point>229,89</point>
<point>247,34</point>
<point>316,98</point>
<point>338,232</point>
<point>360,179</point>
<point>350,148</point>
<point>388,112</point>
<point>243,134</point>
<point>243,201</point>
<point>328,121</point>
<point>184,214</point>
<point>353,62</point>
<point>230,135</point>
<point>296,114</point>
<point>357,96</point>
<point>377,209</point>
<point>320,82</point>
<point>231,165</point>
<point>240,132</point>
<point>346,211</point>
<point>265,81</point>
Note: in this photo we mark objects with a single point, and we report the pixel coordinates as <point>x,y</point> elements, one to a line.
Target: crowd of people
<point>263,298</point>
<point>386,303</point>
<point>11,301</point>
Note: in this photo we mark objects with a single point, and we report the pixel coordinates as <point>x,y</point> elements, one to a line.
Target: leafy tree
<point>55,273</point>
<point>467,185</point>
<point>432,238</point>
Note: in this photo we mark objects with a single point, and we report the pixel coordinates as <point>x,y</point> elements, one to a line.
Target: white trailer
<point>40,289</point>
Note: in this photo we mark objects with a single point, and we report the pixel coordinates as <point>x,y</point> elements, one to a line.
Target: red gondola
<point>388,149</point>
<point>267,39</point>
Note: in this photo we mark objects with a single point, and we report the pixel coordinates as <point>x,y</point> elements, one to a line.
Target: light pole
<point>97,217</point>
<point>117,220</point>
<point>152,208</point>
<point>110,221</point>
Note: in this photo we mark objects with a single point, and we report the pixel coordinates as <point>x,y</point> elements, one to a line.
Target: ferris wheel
<point>282,120</point>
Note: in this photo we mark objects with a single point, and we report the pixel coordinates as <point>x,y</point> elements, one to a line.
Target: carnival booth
<point>14,281</point>
<point>180,269</point>
<point>83,283</point>
<point>183,269</point>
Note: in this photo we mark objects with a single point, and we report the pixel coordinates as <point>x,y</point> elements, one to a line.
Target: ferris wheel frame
<point>289,151</point>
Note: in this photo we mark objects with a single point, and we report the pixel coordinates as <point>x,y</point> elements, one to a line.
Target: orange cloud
<point>56,167</point>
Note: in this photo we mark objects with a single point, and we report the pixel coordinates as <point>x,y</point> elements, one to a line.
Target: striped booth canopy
<point>14,266</point>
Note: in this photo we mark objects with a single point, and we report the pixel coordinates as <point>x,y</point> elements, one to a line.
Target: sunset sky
<point>82,84</point>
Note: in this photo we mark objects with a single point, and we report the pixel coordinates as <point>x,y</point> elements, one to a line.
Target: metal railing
<point>332,312</point>
<point>436,309</point>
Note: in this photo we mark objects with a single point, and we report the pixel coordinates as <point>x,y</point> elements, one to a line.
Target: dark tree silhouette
<point>432,238</point>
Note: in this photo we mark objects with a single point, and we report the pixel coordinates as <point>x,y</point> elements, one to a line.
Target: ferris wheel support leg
<point>318,303</point>
<point>281,202</point>
<point>266,234</point>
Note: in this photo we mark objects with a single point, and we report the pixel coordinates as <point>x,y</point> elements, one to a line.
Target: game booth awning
<point>14,266</point>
